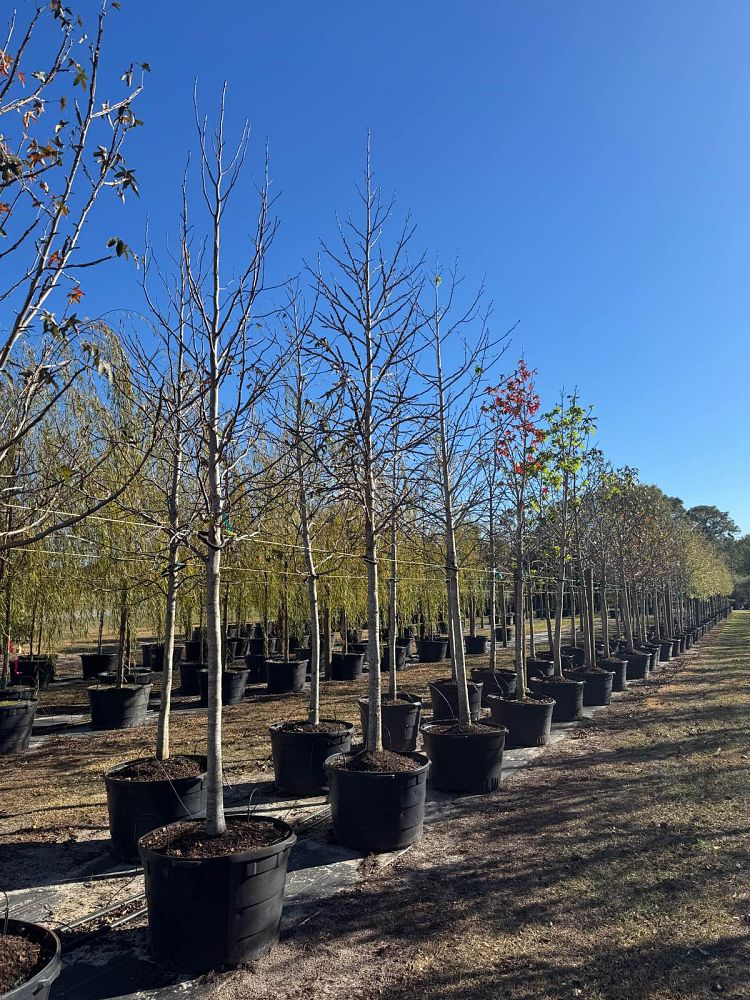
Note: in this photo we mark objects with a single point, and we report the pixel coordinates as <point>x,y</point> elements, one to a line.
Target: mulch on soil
<point>151,769</point>
<point>189,840</point>
<point>20,959</point>
<point>381,762</point>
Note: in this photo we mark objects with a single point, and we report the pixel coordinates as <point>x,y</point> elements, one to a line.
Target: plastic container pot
<point>137,807</point>
<point>299,757</point>
<point>209,913</point>
<point>374,812</point>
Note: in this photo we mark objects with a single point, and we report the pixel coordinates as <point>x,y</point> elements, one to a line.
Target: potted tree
<point>301,747</point>
<point>377,796</point>
<point>511,408</point>
<point>465,754</point>
<point>225,865</point>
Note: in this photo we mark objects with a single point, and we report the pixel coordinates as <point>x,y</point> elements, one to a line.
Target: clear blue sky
<point>588,159</point>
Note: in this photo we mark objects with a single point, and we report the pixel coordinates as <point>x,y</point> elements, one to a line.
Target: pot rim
<point>331,765</point>
<point>494,729</point>
<point>287,842</point>
<point>275,727</point>
<point>111,773</point>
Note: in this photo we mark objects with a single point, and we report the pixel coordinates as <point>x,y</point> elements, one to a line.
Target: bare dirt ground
<point>615,868</point>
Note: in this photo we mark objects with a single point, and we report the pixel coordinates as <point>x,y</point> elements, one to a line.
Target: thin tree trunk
<point>548,620</point>
<point>504,615</point>
<point>122,652</point>
<point>492,585</point>
<point>530,604</point>
<point>604,614</point>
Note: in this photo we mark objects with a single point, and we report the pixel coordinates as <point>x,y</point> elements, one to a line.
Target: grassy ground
<point>615,868</point>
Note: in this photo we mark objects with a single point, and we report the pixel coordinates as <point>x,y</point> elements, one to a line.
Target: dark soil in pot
<point>619,670</point>
<point>502,682</point>
<point>97,663</point>
<point>231,888</point>
<point>233,684</point>
<point>444,699</point>
<point>400,721</point>
<point>146,793</point>
<point>118,708</point>
<point>432,650</point>
<point>16,723</point>
<point>300,750</point>
<point>346,666</point>
<point>476,645</point>
<point>377,800</point>
<point>29,960</point>
<point>528,722</point>
<point>464,758</point>
<point>283,676</point>
<point>568,695</point>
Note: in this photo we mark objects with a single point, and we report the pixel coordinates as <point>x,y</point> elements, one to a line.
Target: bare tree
<point>237,366</point>
<point>369,321</point>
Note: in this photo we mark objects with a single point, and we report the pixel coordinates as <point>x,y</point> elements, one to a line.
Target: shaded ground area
<point>614,868</point>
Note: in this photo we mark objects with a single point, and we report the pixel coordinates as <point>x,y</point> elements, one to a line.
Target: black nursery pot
<point>576,654</point>
<point>476,645</point>
<point>637,664</point>
<point>432,650</point>
<point>299,757</point>
<point>193,650</point>
<point>283,676</point>
<point>502,682</point>
<point>212,912</point>
<point>597,686</point>
<point>385,659</point>
<point>539,668</point>
<point>469,763</point>
<point>666,650</point>
<point>375,812</point>
<point>528,722</point>
<point>118,708</point>
<point>156,656</point>
<point>16,724</point>
<point>444,700</point>
<point>189,683</point>
<point>256,665</point>
<point>39,985</point>
<point>346,666</point>
<point>568,696</point>
<point>400,722</point>
<point>37,670</point>
<point>619,670</point>
<point>233,684</point>
<point>137,807</point>
<point>97,663</point>
<point>654,651</point>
